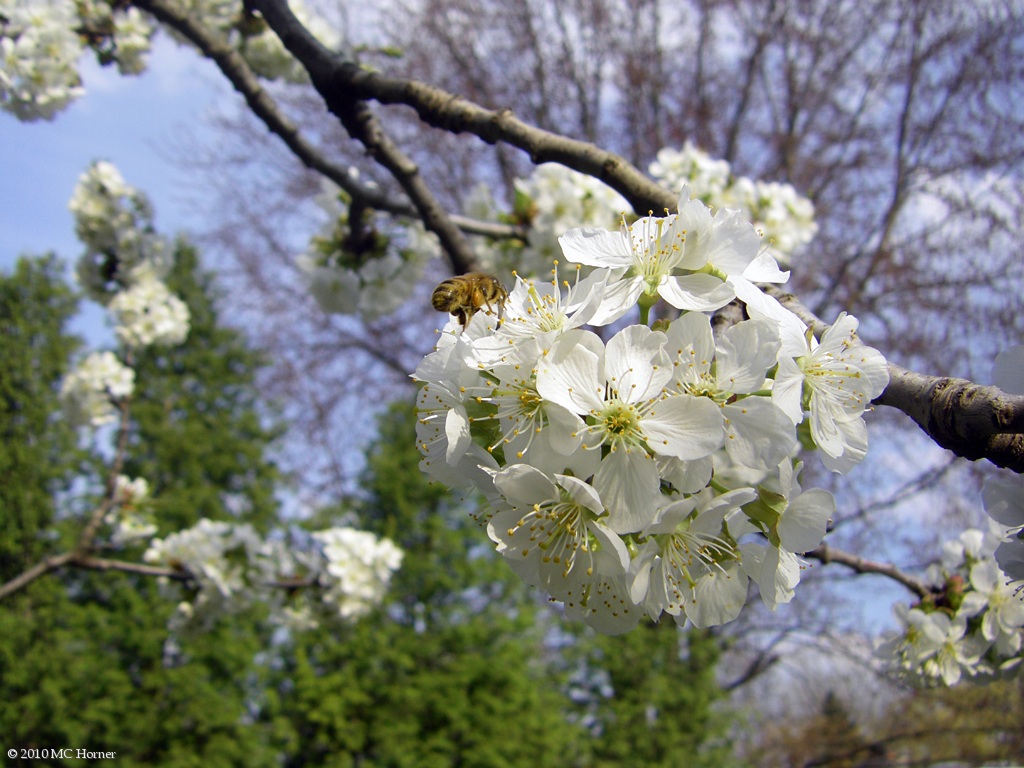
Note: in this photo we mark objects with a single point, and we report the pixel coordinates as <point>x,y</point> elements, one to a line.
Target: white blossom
<point>836,380</point>
<point>358,569</point>
<point>149,314</point>
<point>620,389</point>
<point>130,512</point>
<point>39,52</point>
<point>114,220</point>
<point>652,473</point>
<point>91,391</point>
<point>781,216</point>
<point>560,199</point>
<point>372,280</point>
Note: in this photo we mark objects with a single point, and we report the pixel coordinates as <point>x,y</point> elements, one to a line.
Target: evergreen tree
<point>86,659</point>
<point>36,449</point>
<point>652,698</point>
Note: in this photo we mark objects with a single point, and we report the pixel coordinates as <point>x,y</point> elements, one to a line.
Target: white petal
<point>524,485</point>
<point>619,296</point>
<point>695,218</point>
<point>691,345</point>
<point>746,352</point>
<point>686,476</point>
<point>596,247</point>
<point>700,292</point>
<point>788,390</point>
<point>456,429</point>
<point>718,597</point>
<point>611,545</point>
<point>764,269</point>
<point>635,363</point>
<point>734,244</point>
<point>757,433</point>
<point>854,435</point>
<point>803,524</point>
<point>582,493</point>
<point>685,427</point>
<point>570,374</point>
<point>629,487</point>
<point>564,429</point>
<point>1003,497</point>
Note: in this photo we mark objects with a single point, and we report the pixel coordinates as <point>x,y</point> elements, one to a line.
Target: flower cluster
<point>352,268</point>
<point>651,472</point>
<point>39,53</point>
<point>783,217</point>
<point>227,566</point>
<point>555,199</point>
<point>130,513</point>
<point>221,566</point>
<point>223,561</point>
<point>257,43</point>
<point>41,44</point>
<point>973,624</point>
<point>117,32</point>
<point>91,393</point>
<point>357,569</point>
<point>148,313</point>
<point>125,260</point>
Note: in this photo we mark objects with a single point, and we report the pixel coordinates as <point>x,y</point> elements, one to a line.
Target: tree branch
<point>41,568</point>
<point>235,68</point>
<point>362,124</point>
<point>341,82</point>
<point>827,554</point>
<point>972,421</point>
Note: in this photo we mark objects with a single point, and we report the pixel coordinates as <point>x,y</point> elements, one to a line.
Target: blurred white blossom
<point>148,313</point>
<point>91,391</point>
<point>39,52</point>
<point>358,569</point>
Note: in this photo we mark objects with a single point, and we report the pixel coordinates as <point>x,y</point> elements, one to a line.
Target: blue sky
<point>125,120</point>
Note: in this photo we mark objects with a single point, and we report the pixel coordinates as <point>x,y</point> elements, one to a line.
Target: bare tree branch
<point>827,554</point>
<point>22,580</point>
<point>234,67</point>
<point>342,82</point>
<point>362,124</point>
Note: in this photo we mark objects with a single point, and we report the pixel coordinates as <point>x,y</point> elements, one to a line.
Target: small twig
<point>54,563</point>
<point>827,554</point>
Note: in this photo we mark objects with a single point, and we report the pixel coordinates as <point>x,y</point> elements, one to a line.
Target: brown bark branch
<point>341,82</point>
<point>234,67</point>
<point>826,554</point>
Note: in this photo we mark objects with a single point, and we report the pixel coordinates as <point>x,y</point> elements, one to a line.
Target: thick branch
<point>971,420</point>
<point>341,82</point>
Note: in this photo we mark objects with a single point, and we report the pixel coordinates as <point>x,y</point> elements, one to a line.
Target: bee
<point>464,295</point>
